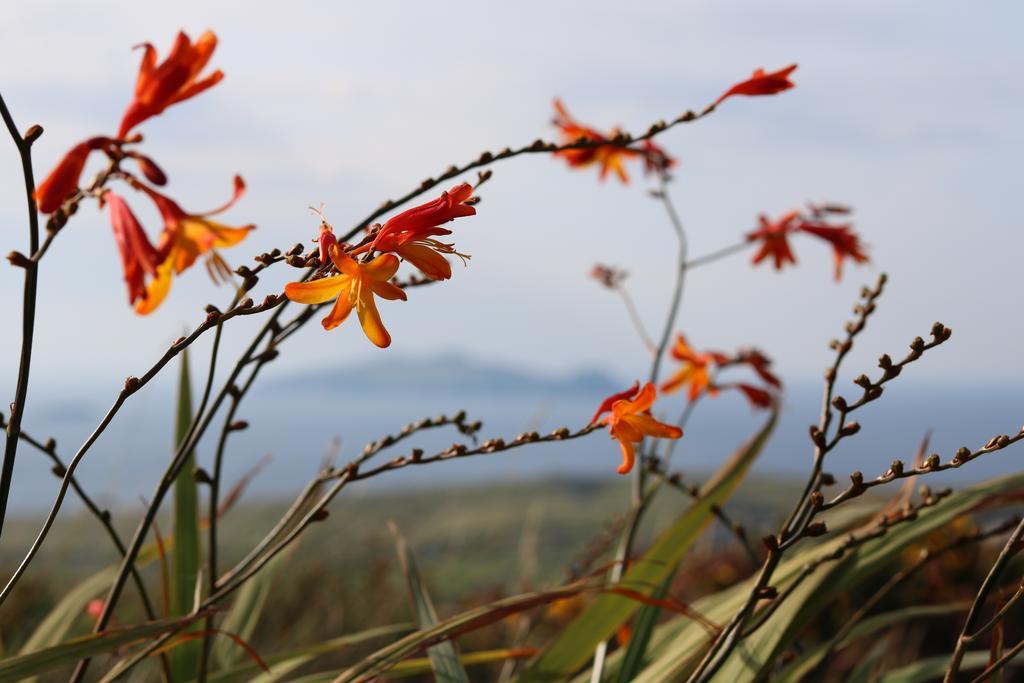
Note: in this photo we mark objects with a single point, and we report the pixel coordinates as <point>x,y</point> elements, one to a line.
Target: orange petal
<point>318,291</point>
<point>157,289</point>
<point>343,262</point>
<point>339,312</point>
<point>648,426</point>
<point>428,261</point>
<point>628,456</point>
<point>369,318</point>
<point>386,290</point>
<point>382,268</point>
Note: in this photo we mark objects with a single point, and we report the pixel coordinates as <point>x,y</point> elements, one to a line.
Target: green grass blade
<point>443,658</point>
<point>69,652</point>
<point>800,669</point>
<point>383,659</point>
<point>678,641</point>
<point>185,569</point>
<point>643,628</point>
<point>283,663</point>
<point>933,668</point>
<point>575,645</point>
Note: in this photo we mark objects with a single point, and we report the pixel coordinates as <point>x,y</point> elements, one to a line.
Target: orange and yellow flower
<point>174,80</point>
<point>185,238</point>
<point>694,370</point>
<point>355,286</point>
<point>411,233</point>
<point>631,420</point>
<point>608,157</point>
<point>761,83</point>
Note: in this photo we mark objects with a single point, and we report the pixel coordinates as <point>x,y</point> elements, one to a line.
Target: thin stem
<point>637,496</point>
<point>634,317</point>
<point>24,145</point>
<point>132,385</point>
<point>163,486</point>
<point>987,586</point>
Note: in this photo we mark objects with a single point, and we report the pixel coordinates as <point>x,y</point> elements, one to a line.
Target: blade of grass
<point>185,658</point>
<point>444,659</point>
<point>575,645</point>
<point>69,652</point>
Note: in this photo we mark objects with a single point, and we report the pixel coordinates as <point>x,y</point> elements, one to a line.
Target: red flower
<point>138,257</point>
<point>609,276</point>
<point>759,363</point>
<point>845,243</point>
<point>630,421</point>
<point>774,239</point>
<point>62,182</point>
<point>760,83</point>
<point>410,234</point>
<point>174,80</point>
<point>759,398</point>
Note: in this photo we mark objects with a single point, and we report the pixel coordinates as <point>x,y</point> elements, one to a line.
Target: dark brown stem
<point>28,322</point>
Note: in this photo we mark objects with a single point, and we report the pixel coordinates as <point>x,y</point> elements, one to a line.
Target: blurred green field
<point>472,545</point>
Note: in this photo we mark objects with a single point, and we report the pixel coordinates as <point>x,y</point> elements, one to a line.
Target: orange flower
<point>630,421</point>
<point>138,257</point>
<point>694,369</point>
<point>410,234</point>
<point>354,287</point>
<point>609,157</point>
<point>62,182</point>
<point>175,80</point>
<point>761,83</point>
<point>774,239</point>
<point>185,238</point>
<point>845,243</point>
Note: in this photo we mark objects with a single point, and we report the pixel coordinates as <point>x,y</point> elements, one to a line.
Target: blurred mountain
<point>452,373</point>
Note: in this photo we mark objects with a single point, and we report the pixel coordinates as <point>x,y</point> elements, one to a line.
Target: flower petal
<point>369,318</point>
<point>317,291</point>
<point>339,312</point>
<point>428,261</point>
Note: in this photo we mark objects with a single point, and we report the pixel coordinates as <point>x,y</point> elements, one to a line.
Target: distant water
<point>125,463</point>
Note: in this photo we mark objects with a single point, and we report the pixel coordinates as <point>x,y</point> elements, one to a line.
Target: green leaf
<point>801,668</point>
<point>244,613</point>
<point>575,645</point>
<point>69,652</point>
<point>284,663</point>
<point>678,641</point>
<point>443,657</point>
<point>471,620</point>
<point>185,572</point>
<point>643,628</point>
<point>933,668</point>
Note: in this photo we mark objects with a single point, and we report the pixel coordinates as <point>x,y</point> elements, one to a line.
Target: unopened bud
<point>816,529</point>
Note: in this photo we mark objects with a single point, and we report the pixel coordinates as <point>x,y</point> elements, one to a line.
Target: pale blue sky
<point>910,112</point>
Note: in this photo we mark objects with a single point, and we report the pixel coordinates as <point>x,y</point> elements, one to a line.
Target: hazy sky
<point>910,112</point>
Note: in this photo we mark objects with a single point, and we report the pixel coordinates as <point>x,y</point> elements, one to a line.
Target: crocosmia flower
<point>845,243</point>
<point>138,257</point>
<point>355,286</point>
<point>185,238</point>
<point>774,239</point>
<point>695,372</point>
<point>172,81</point>
<point>411,233</point>
<point>694,369</point>
<point>761,83</point>
<point>62,182</point>
<point>631,420</point>
<point>609,157</point>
